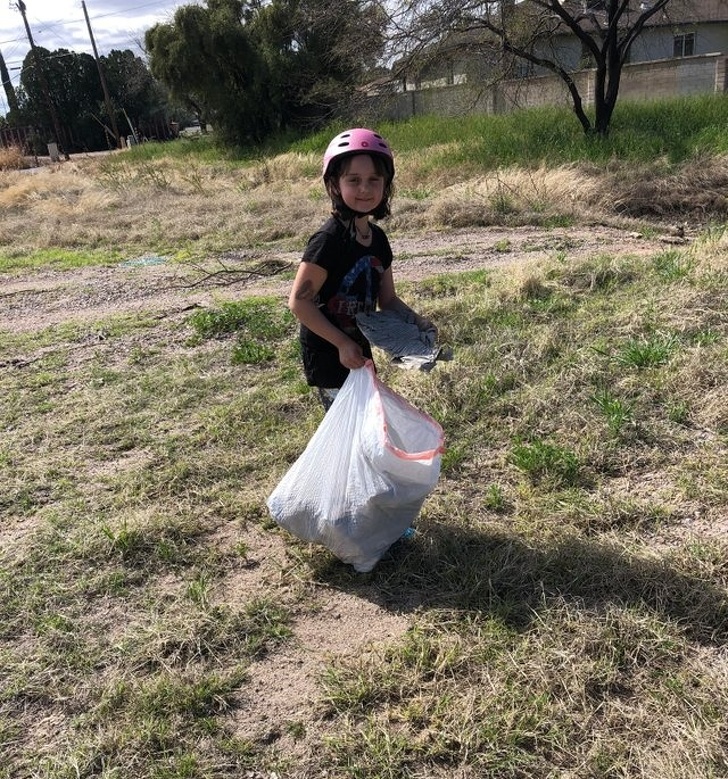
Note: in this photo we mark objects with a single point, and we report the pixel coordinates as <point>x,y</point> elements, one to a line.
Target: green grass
<point>550,635</point>
<point>256,321</point>
<point>675,129</point>
<point>565,596</point>
<point>59,259</point>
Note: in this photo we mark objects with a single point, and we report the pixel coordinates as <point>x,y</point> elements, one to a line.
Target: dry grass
<point>11,158</point>
<point>164,204</point>
<point>562,609</point>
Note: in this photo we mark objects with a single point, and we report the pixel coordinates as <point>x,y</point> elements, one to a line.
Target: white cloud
<point>61,24</point>
<point>57,24</point>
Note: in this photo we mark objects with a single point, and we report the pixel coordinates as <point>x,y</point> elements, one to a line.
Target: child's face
<point>360,185</point>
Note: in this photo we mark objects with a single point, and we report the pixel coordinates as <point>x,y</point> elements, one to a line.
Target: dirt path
<point>33,301</point>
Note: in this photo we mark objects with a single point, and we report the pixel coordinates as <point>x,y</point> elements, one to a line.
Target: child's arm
<point>309,280</point>
<point>390,301</point>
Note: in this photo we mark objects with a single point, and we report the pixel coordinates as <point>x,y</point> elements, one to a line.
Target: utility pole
<point>107,99</point>
<point>8,86</point>
<point>20,5</point>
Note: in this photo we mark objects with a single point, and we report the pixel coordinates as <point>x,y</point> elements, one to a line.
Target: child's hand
<point>423,323</point>
<point>351,355</point>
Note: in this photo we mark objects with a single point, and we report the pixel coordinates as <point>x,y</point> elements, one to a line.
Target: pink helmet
<point>355,141</point>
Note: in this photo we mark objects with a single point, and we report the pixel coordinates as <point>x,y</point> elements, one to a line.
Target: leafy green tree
<point>318,54</point>
<point>208,59</point>
<point>78,99</point>
<point>135,94</point>
<point>76,94</point>
<point>252,68</point>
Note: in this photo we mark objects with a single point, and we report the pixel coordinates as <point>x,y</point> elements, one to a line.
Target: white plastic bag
<point>364,475</point>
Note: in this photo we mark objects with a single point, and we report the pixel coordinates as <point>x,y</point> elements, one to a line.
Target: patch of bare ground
<point>283,689</point>
<point>280,705</point>
<point>33,301</point>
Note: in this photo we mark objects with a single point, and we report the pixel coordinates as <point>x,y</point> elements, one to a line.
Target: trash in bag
<point>364,475</point>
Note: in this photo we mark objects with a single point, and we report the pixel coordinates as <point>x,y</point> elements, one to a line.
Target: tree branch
<point>226,276</point>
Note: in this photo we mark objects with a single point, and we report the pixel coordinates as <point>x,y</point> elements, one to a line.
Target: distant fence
<point>702,74</point>
<point>34,139</point>
<point>20,137</point>
<point>31,140</point>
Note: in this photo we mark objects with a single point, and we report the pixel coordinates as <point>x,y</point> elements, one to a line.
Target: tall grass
<point>675,129</point>
<point>11,158</point>
<point>641,132</point>
<point>662,161</point>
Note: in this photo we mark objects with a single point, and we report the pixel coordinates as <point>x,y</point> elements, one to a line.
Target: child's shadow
<point>502,575</point>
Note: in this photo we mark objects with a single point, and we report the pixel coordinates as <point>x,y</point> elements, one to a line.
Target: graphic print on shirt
<point>357,293</point>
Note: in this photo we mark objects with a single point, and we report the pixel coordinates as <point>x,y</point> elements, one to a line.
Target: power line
<point>62,22</point>
<point>54,27</point>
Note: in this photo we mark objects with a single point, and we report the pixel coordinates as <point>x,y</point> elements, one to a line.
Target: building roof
<point>693,11</point>
<point>673,12</point>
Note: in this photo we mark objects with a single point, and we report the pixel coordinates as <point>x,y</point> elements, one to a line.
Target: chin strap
<point>347,214</point>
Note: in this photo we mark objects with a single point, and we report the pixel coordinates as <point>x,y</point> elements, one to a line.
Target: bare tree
<point>530,31</point>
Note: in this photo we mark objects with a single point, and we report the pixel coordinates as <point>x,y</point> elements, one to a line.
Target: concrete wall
<point>667,78</point>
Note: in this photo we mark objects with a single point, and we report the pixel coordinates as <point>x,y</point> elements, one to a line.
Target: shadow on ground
<point>499,573</point>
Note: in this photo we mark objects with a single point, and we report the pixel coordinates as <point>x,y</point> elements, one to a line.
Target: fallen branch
<point>191,307</point>
<point>226,276</point>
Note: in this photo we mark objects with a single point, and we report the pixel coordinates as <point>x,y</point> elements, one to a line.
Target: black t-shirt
<point>352,285</point>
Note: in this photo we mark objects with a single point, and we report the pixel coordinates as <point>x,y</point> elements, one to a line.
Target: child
<point>346,267</point>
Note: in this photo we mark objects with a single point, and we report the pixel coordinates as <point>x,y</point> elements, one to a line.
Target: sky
<point>61,24</point>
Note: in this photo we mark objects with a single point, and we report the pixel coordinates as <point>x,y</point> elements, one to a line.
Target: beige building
<point>681,51</point>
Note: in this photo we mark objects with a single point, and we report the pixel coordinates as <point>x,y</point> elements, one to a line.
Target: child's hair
<point>339,166</point>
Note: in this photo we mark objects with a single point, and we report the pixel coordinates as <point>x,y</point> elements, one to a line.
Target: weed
<point>673,265</point>
<point>157,178</point>
<point>553,221</point>
<point>542,461</point>
<point>598,274</point>
<point>248,352</point>
<point>453,456</point>
<point>502,202</point>
<point>679,412</point>
<point>707,337</point>
<point>259,317</point>
<point>495,499</point>
<point>446,285</point>
<point>12,158</point>
<point>417,193</point>
<point>198,590</point>
<point>297,730</point>
<point>648,351</point>
<point>195,178</point>
<point>616,411</point>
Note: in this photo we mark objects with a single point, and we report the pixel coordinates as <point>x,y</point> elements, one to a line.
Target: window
<point>683,45</point>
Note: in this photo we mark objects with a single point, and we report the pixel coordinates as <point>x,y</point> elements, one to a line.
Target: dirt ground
<point>150,284</point>
<point>284,687</point>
